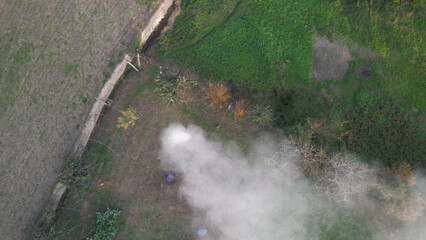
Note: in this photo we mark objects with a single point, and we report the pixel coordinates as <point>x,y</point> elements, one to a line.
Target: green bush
<point>382,129</point>
<point>52,231</point>
<point>167,84</point>
<point>77,172</point>
<point>294,106</point>
<point>170,86</point>
<point>262,115</point>
<point>106,225</point>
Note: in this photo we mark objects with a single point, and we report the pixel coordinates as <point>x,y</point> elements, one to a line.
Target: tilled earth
<point>55,56</point>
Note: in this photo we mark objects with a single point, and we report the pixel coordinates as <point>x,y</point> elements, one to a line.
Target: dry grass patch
<point>240,109</point>
<point>403,172</point>
<point>127,118</point>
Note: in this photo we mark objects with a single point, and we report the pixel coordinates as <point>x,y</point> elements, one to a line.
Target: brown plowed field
<point>54,58</point>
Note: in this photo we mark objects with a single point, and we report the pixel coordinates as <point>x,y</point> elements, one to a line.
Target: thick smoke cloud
<point>263,195</point>
<point>259,196</point>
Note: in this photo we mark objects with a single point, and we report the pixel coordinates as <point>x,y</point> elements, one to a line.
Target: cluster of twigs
<point>337,177</point>
<point>342,176</point>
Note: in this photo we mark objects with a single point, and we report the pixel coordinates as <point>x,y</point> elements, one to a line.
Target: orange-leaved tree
<point>217,94</point>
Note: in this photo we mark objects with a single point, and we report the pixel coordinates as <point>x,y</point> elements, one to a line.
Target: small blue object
<point>109,101</point>
<point>201,231</point>
<point>170,178</point>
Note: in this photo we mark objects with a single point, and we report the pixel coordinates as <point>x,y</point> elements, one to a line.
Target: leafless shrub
<point>336,177</point>
<point>310,160</point>
<point>410,208</point>
<point>399,200</point>
<point>343,176</point>
<point>402,171</point>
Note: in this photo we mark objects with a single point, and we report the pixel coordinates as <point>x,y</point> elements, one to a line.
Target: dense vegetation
<point>106,225</point>
<point>77,175</point>
<point>263,50</point>
<point>336,225</point>
<point>266,47</point>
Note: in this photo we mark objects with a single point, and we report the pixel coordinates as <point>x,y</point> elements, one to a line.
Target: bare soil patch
<point>133,180</point>
<point>364,71</point>
<point>331,60</point>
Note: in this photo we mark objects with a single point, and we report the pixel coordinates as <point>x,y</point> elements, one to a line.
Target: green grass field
<point>263,43</point>
<point>267,47</point>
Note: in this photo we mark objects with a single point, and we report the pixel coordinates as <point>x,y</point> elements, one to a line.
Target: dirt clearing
<point>133,180</point>
<point>331,60</point>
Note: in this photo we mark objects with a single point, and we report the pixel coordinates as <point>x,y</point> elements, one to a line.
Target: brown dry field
<point>55,56</point>
<point>133,180</point>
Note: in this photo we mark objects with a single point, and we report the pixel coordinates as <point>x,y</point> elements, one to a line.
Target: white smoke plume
<point>264,195</point>
<point>259,196</point>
